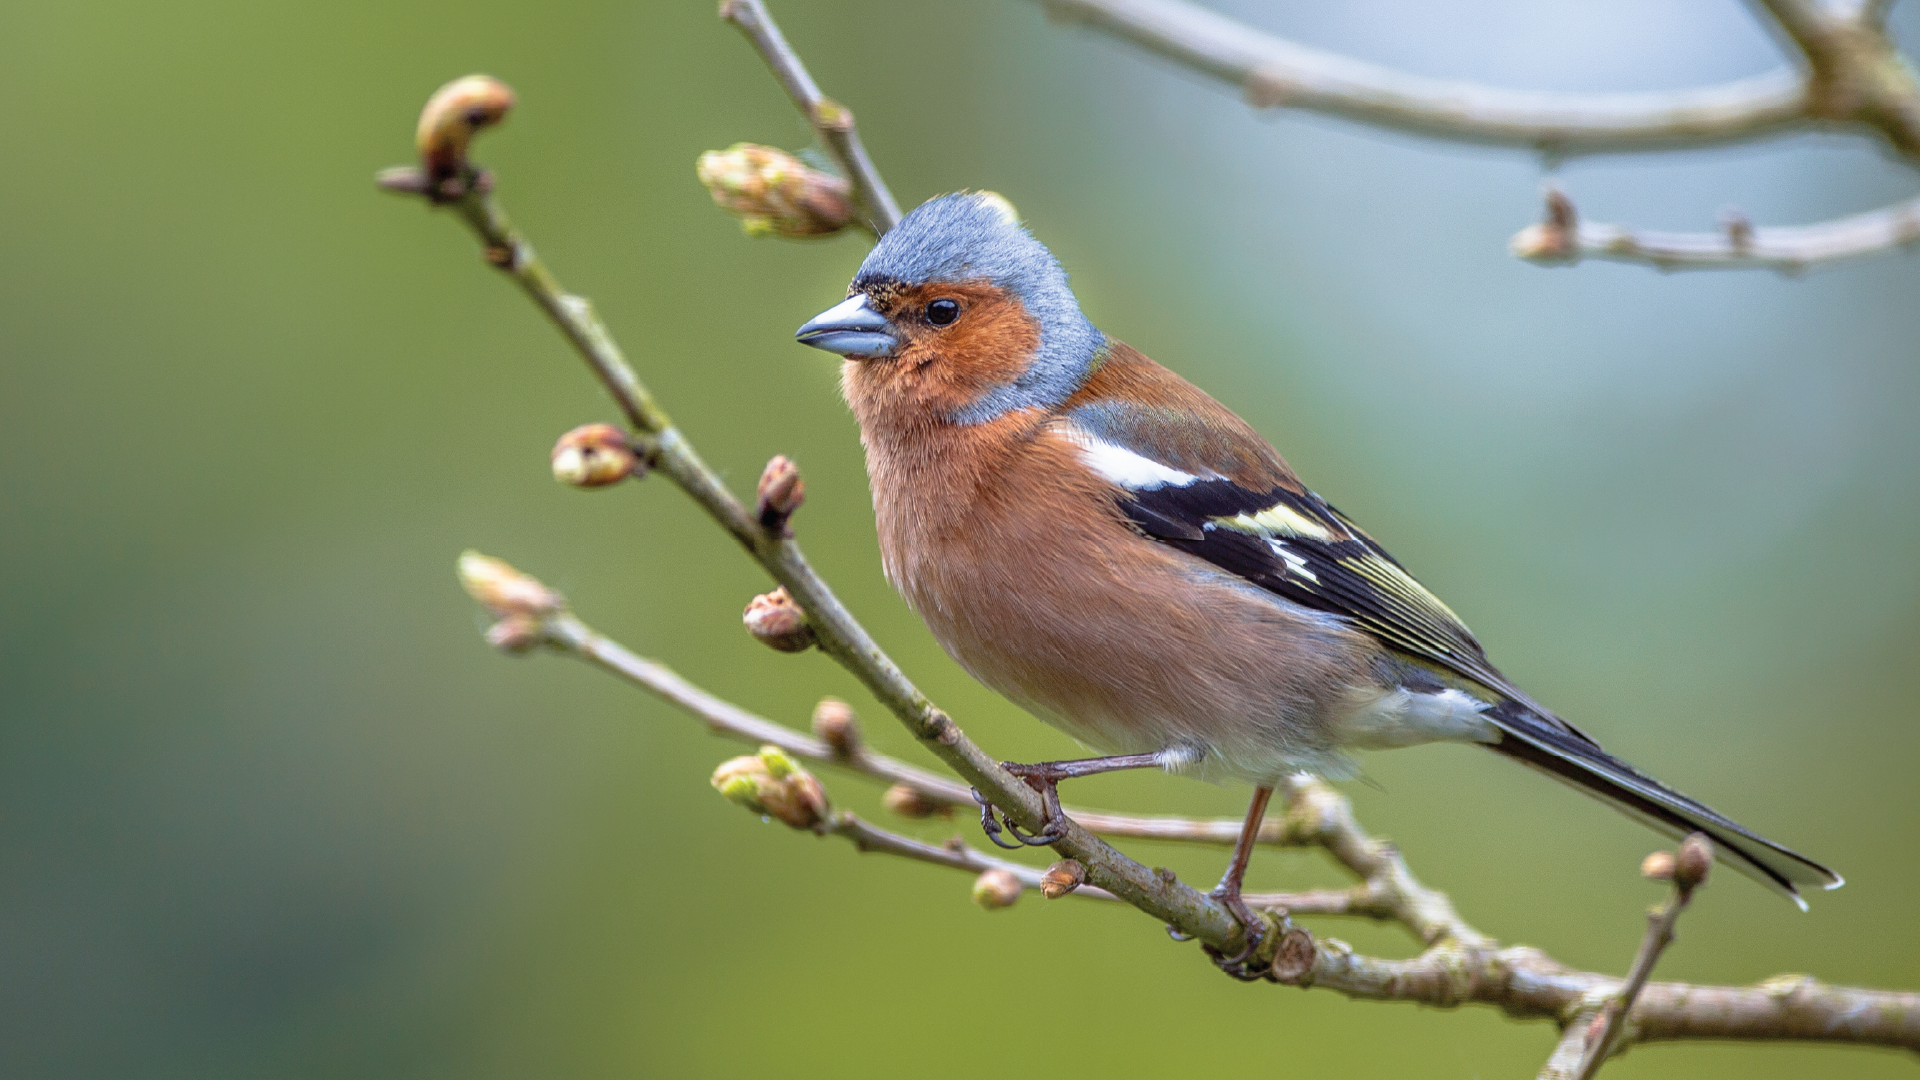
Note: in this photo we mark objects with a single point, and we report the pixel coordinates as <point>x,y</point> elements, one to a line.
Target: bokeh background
<point>269,807</point>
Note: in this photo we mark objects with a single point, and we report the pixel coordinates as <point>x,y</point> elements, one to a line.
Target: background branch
<point>1273,72</point>
<point>1849,73</point>
<point>1561,239</point>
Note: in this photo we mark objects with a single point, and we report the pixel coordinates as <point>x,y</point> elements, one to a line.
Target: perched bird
<point>1097,539</point>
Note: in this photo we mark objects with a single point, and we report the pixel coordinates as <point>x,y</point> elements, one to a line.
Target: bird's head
<point>958,315</point>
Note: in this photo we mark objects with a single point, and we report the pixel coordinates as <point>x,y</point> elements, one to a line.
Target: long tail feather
<point>1577,762</point>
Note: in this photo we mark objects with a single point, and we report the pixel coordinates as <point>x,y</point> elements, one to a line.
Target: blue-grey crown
<point>974,236</point>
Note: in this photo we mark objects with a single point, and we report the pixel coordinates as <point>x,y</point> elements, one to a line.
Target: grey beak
<point>850,328</point>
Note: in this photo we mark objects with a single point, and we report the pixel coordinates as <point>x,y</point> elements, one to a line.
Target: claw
<point>1054,831</point>
<point>991,826</point>
<point>1254,931</point>
<point>1044,778</point>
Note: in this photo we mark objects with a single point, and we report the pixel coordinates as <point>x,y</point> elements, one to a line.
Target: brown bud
<point>1062,878</point>
<point>775,193</point>
<point>1694,860</point>
<point>517,633</point>
<point>503,590</point>
<point>1658,866</point>
<point>594,455</point>
<point>996,889</point>
<point>772,784</point>
<point>835,725</point>
<point>447,125</point>
<point>1553,240</point>
<point>778,622</point>
<point>910,802</point>
<point>781,492</point>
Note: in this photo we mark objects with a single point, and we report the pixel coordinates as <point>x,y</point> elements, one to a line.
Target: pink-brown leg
<point>1228,891</point>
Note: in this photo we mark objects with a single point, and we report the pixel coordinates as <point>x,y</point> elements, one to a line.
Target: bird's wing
<point>1197,478</point>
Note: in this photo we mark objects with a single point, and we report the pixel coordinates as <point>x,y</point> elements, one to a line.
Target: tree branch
<point>1460,964</point>
<point>1562,240</point>
<point>1273,72</point>
<point>832,122</point>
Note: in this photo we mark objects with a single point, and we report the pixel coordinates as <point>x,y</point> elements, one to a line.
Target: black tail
<point>1576,761</point>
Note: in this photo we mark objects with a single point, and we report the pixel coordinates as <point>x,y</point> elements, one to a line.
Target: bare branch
<point>830,120</point>
<point>1273,72</point>
<point>1852,73</point>
<point>1561,240</point>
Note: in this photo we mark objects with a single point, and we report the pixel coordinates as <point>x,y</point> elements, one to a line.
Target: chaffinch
<point>1097,539</point>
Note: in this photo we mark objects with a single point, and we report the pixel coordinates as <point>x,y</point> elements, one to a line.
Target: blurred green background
<point>269,807</point>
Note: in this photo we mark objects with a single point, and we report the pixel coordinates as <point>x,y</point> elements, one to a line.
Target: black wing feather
<point>1297,546</point>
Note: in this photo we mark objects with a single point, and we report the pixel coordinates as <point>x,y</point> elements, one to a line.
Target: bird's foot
<point>1042,778</point>
<point>1249,964</point>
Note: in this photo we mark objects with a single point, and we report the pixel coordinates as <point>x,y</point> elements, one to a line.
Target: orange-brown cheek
<point>940,370</point>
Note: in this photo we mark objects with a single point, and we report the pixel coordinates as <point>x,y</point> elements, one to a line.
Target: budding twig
<point>830,120</point>
<point>1687,869</point>
<point>1273,72</point>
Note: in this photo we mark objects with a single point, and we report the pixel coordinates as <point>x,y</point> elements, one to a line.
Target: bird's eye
<point>942,312</point>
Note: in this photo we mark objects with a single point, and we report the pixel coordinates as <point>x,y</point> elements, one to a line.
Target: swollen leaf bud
<point>778,622</point>
<point>1694,860</point>
<point>595,455</point>
<point>772,784</point>
<point>1658,866</point>
<point>911,802</point>
<point>835,725</point>
<point>447,126</point>
<point>517,633</point>
<point>1062,878</point>
<point>503,590</point>
<point>774,193</point>
<point>996,889</point>
<point>780,493</point>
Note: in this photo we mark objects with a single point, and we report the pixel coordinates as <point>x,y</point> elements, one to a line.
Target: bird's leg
<point>1228,891</point>
<point>1042,777</point>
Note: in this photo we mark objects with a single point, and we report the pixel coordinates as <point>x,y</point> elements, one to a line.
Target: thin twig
<point>1273,72</point>
<point>1739,246</point>
<point>869,837</point>
<point>1604,1038</point>
<point>1320,825</point>
<point>566,631</point>
<point>831,121</point>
